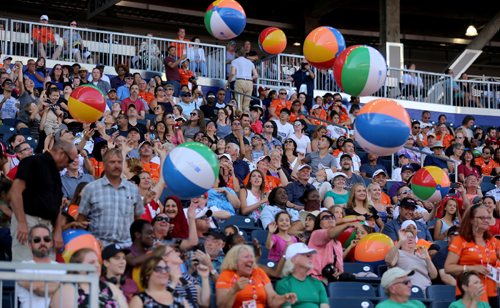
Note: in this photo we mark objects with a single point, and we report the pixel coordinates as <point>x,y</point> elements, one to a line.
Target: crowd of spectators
<point>289,164</point>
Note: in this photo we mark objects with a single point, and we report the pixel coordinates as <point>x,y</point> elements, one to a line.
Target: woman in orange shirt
<point>317,112</point>
<point>185,73</point>
<point>242,284</point>
<point>443,135</point>
<point>474,250</point>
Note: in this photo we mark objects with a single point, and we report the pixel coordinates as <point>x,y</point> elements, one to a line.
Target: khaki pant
<point>22,252</point>
<point>245,87</point>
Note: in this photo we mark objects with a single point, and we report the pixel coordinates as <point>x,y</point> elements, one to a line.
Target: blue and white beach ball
<point>190,169</point>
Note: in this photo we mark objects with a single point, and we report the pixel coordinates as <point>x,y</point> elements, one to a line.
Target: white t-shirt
<point>24,295</point>
<point>335,132</point>
<point>103,78</point>
<point>9,108</point>
<point>419,209</point>
<point>284,130</point>
<point>244,68</point>
<point>301,143</point>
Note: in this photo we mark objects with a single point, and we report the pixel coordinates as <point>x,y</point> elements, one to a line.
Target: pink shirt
<point>279,246</point>
<point>139,105</point>
<point>325,247</point>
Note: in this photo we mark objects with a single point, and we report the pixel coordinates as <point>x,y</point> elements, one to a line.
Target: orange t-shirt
<point>385,199</point>
<point>153,169</point>
<point>486,168</point>
<point>278,105</point>
<point>98,167</point>
<point>472,254</point>
<point>180,48</point>
<point>147,96</point>
<point>322,115</point>
<point>185,75</point>
<point>446,140</point>
<point>270,182</point>
<point>43,35</point>
<point>295,116</point>
<point>254,291</point>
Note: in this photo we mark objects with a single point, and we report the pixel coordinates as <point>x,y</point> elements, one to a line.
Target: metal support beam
<point>389,22</point>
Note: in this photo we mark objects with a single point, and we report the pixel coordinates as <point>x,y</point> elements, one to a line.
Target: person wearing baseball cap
<point>309,291</point>
<point>406,210</point>
<point>438,158</point>
<point>114,264</point>
<point>397,286</point>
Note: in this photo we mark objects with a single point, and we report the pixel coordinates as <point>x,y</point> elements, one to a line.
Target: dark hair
<point>465,228</point>
<point>262,185</point>
<point>275,128</point>
<point>467,118</point>
<point>415,122</point>
<point>277,216</point>
<point>317,221</point>
<point>52,75</point>
<point>284,160</point>
<point>463,280</point>
<point>272,195</point>
<point>271,93</point>
<point>136,227</point>
<point>76,195</point>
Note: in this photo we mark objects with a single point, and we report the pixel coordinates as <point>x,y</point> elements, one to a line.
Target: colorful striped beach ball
<point>360,70</point>
<point>225,19</point>
<point>430,183</point>
<point>76,239</point>
<point>322,45</point>
<point>382,127</point>
<point>190,169</point>
<point>272,40</point>
<point>86,104</point>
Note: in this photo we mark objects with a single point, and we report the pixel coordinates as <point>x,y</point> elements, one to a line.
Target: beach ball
<point>360,70</point>
<point>382,127</point>
<point>225,19</point>
<point>86,104</point>
<point>372,248</point>
<point>430,183</point>
<point>272,40</point>
<point>190,169</point>
<point>322,45</point>
<point>76,239</point>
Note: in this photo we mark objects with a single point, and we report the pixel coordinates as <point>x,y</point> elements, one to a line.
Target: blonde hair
<point>351,202</point>
<point>231,260</point>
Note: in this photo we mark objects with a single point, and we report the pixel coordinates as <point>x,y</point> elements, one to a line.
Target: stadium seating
<point>350,302</point>
<point>351,267</point>
<point>441,293</point>
<point>348,289</point>
<point>260,235</point>
<point>243,222</point>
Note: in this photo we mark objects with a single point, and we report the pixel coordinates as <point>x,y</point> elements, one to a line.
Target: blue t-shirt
<point>220,200</point>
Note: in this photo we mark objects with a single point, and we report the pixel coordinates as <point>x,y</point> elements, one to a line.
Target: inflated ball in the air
<point>225,19</point>
<point>86,104</point>
<point>272,41</point>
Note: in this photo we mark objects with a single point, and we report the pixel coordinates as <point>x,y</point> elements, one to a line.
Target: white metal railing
<point>4,28</point>
<point>400,83</point>
<point>71,44</point>
<point>11,273</point>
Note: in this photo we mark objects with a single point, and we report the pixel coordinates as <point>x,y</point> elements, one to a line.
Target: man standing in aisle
<point>243,70</point>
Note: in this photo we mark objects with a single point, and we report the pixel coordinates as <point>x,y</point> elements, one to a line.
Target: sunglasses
<point>268,126</point>
<point>170,117</point>
<point>186,95</point>
<point>327,217</point>
<point>405,192</point>
<point>236,123</point>
<point>38,239</point>
<point>161,90</point>
<point>282,93</point>
<point>416,127</point>
<point>288,141</point>
<point>162,218</point>
<point>160,269</point>
<point>193,113</point>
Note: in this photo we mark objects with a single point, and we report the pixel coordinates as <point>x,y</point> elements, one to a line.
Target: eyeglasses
<point>297,124</point>
<point>38,239</point>
<point>162,218</point>
<point>483,217</point>
<point>8,83</point>
<point>236,123</point>
<point>288,141</point>
<point>129,78</point>
<point>160,89</point>
<point>186,95</point>
<point>416,127</point>
<point>405,192</point>
<point>170,116</point>
<point>327,217</point>
<point>282,93</point>
<point>160,269</point>
<point>268,126</point>
<point>193,114</point>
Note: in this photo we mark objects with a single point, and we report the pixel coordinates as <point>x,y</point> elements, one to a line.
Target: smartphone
<point>455,185</point>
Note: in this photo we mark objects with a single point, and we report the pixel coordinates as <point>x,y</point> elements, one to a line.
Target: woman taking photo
<point>242,284</point>
<point>473,250</point>
<point>163,97</point>
<point>318,133</point>
<point>196,123</point>
<point>252,197</point>
<point>109,294</point>
<point>406,255</point>
<point>154,277</point>
<point>290,157</point>
<point>173,133</point>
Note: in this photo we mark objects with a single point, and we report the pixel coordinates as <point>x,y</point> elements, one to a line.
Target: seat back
<point>348,289</point>
<point>417,293</point>
<point>350,302</point>
<point>441,292</point>
<point>353,267</point>
<point>260,235</point>
<point>243,222</point>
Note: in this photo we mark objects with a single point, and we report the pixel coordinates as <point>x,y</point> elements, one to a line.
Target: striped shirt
<point>111,210</point>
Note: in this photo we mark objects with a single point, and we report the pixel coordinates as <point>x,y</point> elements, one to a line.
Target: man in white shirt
<point>9,105</point>
<point>285,129</point>
<point>41,244</point>
<point>243,70</point>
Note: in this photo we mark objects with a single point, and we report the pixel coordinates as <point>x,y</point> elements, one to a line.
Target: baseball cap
<point>431,134</point>
<point>404,155</point>
<point>407,167</point>
<point>111,90</point>
<point>407,223</point>
<point>111,250</point>
<point>203,212</point>
<point>263,89</point>
<point>226,156</point>
<point>231,43</point>
<point>217,234</point>
<point>7,58</point>
<point>408,202</point>
<point>134,129</point>
<point>315,106</point>
<point>297,249</point>
<point>345,156</point>
<point>44,17</point>
<point>377,172</point>
<point>392,275</point>
<point>304,166</point>
<point>337,174</point>
<point>145,142</point>
<point>437,144</point>
<point>264,157</point>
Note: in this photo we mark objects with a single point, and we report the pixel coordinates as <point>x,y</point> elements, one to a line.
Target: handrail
<point>435,156</point>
